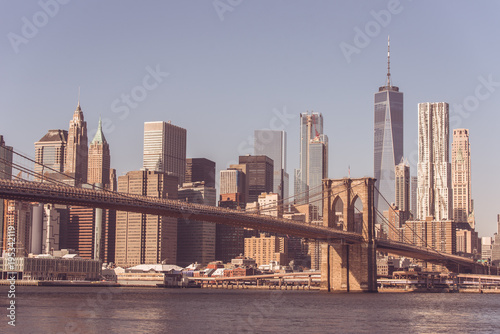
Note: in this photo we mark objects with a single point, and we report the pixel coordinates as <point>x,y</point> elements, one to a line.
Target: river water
<point>153,310</point>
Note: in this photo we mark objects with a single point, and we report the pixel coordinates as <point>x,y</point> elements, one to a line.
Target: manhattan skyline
<point>258,68</point>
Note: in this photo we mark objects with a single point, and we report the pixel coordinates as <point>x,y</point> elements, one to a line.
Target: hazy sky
<point>222,69</point>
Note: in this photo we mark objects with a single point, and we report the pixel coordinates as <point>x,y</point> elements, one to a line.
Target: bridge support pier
<point>349,267</point>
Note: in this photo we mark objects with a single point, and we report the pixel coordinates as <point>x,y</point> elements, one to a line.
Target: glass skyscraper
<point>313,160</point>
<point>273,144</point>
<point>388,140</point>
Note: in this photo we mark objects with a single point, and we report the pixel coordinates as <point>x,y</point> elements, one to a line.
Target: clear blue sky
<point>231,70</point>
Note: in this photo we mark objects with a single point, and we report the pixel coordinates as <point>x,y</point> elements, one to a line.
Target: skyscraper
<point>388,139</point>
<point>196,239</point>
<point>259,175</point>
<point>434,170</point>
<point>200,169</point>
<point>402,190</point>
<point>318,170</point>
<point>165,149</point>
<point>313,159</point>
<point>76,163</point>
<point>273,144</point>
<point>143,238</point>
<point>461,176</point>
<point>99,159</point>
<point>50,151</point>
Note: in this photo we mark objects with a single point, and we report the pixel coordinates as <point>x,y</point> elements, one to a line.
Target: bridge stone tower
<point>349,267</point>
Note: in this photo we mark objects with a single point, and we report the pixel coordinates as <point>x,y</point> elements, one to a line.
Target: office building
<point>259,175</point>
<point>229,240</point>
<point>486,248</point>
<point>76,162</point>
<point>200,169</point>
<point>264,249</point>
<point>196,239</point>
<point>50,151</point>
<point>269,205</point>
<point>438,235</point>
<point>99,160</point>
<point>143,238</point>
<point>233,185</point>
<point>402,189</point>
<point>434,170</point>
<point>272,143</point>
<point>388,140</point>
<point>165,149</point>
<point>313,160</point>
<point>467,242</point>
<point>461,176</point>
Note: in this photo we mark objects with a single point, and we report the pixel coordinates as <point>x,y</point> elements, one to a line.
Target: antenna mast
<point>388,62</point>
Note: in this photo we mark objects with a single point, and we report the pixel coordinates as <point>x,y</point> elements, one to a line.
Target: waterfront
<point>152,310</point>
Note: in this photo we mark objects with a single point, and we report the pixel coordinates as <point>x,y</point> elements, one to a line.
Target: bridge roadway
<point>56,194</point>
<point>49,193</point>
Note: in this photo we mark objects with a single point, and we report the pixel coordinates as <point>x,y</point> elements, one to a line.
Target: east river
<point>154,310</point>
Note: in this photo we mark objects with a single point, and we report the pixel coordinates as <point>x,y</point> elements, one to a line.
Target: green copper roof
<point>99,136</point>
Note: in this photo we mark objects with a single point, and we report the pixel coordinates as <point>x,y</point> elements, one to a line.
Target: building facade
<point>434,170</point>
<point>259,175</point>
<point>272,143</point>
<point>165,149</point>
<point>76,162</point>
<point>461,176</point>
<point>196,239</point>
<point>313,159</point>
<point>200,169</point>
<point>264,249</point>
<point>142,238</point>
<point>402,189</point>
<point>50,151</point>
<point>99,160</point>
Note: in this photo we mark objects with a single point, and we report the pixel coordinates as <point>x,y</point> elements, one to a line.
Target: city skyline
<point>259,95</point>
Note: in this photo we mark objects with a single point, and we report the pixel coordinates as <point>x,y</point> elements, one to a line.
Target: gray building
<point>165,149</point>
<point>313,159</point>
<point>196,239</point>
<point>388,140</point>
<point>273,144</point>
<point>50,151</point>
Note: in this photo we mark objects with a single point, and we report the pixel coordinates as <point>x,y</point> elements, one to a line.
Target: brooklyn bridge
<point>348,249</point>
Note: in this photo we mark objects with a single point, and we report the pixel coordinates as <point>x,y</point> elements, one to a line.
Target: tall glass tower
<point>313,160</point>
<point>388,139</point>
<point>273,144</point>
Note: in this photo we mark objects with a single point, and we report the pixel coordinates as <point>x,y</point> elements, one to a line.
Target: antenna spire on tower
<point>78,97</point>
<point>388,61</point>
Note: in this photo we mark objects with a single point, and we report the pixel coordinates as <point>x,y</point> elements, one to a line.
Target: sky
<point>224,68</point>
